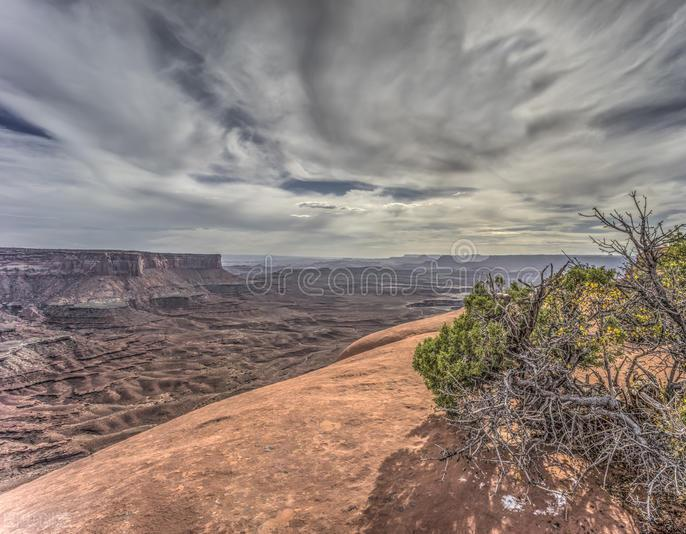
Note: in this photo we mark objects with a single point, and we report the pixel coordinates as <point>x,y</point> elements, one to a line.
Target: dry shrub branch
<point>588,362</point>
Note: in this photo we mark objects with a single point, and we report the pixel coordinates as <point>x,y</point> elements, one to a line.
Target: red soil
<point>337,450</point>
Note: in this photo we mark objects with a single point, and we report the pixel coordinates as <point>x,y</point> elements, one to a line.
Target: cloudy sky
<point>332,128</point>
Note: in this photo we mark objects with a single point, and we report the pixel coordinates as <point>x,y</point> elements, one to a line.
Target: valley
<point>98,346</point>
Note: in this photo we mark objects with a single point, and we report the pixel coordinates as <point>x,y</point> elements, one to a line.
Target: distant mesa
<point>519,262</point>
<point>100,282</point>
<point>100,262</point>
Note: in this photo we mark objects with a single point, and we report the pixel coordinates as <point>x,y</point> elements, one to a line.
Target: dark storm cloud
<point>236,117</point>
<point>239,121</point>
<point>450,165</point>
<point>215,179</point>
<point>15,123</point>
<point>187,65</point>
<point>549,124</point>
<point>324,187</point>
<point>648,115</point>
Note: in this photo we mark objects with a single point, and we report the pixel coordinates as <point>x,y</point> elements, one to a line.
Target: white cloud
<point>543,110</point>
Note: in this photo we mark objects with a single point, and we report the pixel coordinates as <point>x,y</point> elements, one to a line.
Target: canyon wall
<point>41,277</point>
<point>99,262</point>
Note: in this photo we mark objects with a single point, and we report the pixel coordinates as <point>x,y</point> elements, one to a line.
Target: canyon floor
<point>344,448</point>
<point>71,388</point>
<point>98,346</point>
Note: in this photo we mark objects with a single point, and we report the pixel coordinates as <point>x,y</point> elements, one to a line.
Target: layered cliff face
<point>48,277</point>
<point>98,262</point>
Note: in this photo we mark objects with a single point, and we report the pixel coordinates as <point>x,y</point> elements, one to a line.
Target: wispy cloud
<point>196,125</point>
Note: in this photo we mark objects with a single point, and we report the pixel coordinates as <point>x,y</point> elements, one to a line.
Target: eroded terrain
<point>351,447</point>
<point>92,353</point>
<point>96,346</point>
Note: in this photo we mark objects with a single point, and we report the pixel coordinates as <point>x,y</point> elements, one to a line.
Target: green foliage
<point>584,321</point>
<point>575,322</point>
<point>472,349</point>
<point>648,322</point>
<point>673,264</point>
<point>464,353</point>
<point>578,320</point>
<point>524,365</point>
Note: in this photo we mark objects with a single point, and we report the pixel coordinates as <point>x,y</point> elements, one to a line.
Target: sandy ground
<point>70,388</point>
<point>339,449</point>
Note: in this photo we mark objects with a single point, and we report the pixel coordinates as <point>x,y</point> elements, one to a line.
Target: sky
<point>336,128</point>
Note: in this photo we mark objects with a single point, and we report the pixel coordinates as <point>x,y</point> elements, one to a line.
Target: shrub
<point>475,347</point>
<point>462,355</point>
<point>514,369</point>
